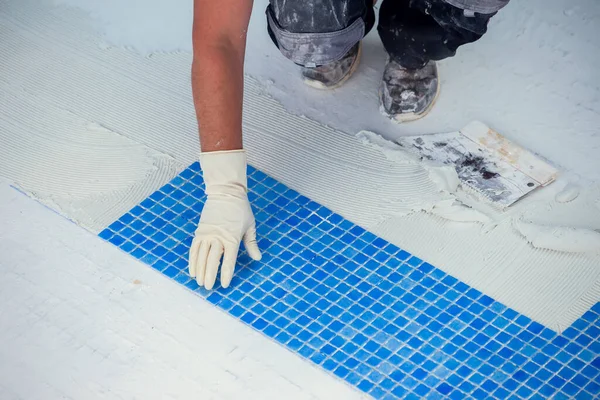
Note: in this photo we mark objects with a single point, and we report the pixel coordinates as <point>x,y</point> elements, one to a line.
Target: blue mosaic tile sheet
<point>363,309</point>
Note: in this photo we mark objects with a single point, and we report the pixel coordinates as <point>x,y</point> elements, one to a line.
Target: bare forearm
<point>219,41</point>
<point>217,86</point>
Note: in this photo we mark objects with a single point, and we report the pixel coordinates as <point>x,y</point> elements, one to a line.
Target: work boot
<point>333,75</point>
<point>408,94</point>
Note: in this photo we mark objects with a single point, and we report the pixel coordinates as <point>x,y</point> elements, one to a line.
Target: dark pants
<point>316,32</point>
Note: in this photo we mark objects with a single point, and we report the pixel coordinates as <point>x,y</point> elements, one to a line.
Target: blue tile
<point>365,385</point>
<point>170,272</point>
<point>593,387</point>
<point>444,388</point>
<point>381,318</point>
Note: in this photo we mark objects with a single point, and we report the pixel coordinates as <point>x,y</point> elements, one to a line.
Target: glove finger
<point>251,244</point>
<point>193,258</point>
<point>212,263</point>
<point>201,262</point>
<point>229,259</point>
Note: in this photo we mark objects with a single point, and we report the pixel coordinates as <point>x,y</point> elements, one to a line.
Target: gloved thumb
<point>251,244</point>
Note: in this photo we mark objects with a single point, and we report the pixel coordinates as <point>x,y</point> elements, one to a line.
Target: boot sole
<point>409,117</point>
<point>319,85</point>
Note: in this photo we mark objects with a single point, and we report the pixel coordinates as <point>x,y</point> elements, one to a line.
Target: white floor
<point>82,320</point>
<point>91,130</point>
<point>533,77</point>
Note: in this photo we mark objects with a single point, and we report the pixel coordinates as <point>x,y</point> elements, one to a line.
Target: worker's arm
<point>219,39</point>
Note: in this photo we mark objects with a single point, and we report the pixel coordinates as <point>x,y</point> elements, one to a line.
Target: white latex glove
<point>226,219</point>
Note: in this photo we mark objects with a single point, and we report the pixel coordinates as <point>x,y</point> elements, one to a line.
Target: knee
<point>302,16</point>
<point>318,32</point>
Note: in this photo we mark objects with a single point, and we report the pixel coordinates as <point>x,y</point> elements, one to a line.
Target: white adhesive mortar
<point>560,238</point>
<point>81,168</point>
<point>65,82</point>
<point>447,205</point>
<point>533,75</point>
<point>442,194</point>
<point>568,193</point>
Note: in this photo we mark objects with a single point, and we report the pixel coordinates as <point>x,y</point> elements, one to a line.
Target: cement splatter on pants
<point>413,32</point>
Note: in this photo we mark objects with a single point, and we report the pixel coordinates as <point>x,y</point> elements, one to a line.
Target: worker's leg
<point>416,32</point>
<point>320,35</point>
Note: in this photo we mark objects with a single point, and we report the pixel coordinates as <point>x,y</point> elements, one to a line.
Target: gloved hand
<point>226,219</point>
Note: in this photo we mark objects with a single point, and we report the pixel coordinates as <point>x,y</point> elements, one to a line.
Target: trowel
<point>488,164</point>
